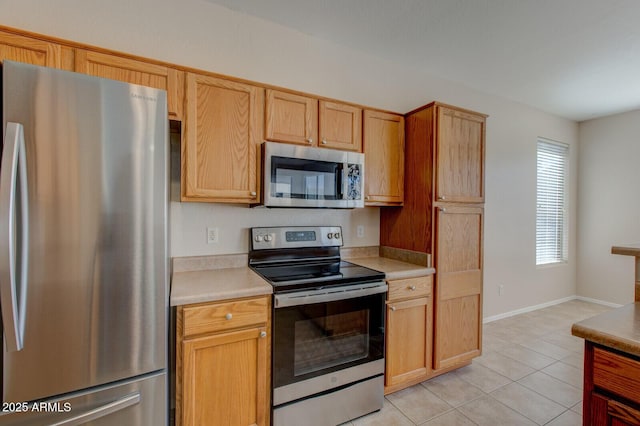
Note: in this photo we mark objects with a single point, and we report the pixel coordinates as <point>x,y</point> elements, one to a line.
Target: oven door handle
<point>329,294</point>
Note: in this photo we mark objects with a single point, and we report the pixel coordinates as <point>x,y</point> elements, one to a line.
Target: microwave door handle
<point>12,299</point>
<point>345,181</point>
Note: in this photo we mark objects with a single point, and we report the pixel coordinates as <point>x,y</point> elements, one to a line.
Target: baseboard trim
<point>546,305</point>
<point>599,302</point>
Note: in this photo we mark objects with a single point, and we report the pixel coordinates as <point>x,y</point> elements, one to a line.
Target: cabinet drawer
<point>224,315</point>
<point>616,373</point>
<point>410,287</point>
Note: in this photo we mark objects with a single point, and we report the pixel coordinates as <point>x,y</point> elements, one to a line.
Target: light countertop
<point>393,269</point>
<point>617,329</point>
<point>214,278</point>
<point>216,284</point>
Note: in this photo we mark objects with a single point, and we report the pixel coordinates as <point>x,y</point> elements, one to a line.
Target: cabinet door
<point>408,341</point>
<point>136,72</point>
<point>291,118</point>
<point>222,136</point>
<point>224,379</point>
<point>340,126</point>
<point>458,303</point>
<point>460,156</point>
<point>384,158</point>
<point>30,51</point>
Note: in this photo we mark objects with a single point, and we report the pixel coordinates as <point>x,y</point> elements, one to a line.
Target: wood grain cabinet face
<point>384,158</point>
<point>222,363</point>
<point>136,72</point>
<point>459,156</point>
<point>340,126</point>
<point>30,51</point>
<point>291,118</point>
<point>222,136</point>
<point>408,332</point>
<point>458,263</point>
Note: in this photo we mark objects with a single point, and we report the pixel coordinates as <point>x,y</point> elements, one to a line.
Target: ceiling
<point>578,59</point>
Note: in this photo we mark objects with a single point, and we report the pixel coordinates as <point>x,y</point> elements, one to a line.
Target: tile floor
<point>530,373</point>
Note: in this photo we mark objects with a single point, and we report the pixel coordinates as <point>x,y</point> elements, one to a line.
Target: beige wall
<point>609,203</point>
<point>206,36</point>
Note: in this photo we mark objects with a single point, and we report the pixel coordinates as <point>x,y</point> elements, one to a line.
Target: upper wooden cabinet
<point>30,50</point>
<point>136,72</point>
<point>459,156</point>
<point>340,126</point>
<point>222,136</point>
<point>384,158</point>
<point>304,120</point>
<point>291,118</point>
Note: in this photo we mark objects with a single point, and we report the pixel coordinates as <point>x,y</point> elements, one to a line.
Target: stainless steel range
<point>328,326</point>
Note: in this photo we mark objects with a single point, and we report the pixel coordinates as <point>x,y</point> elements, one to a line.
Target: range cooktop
<point>302,257</point>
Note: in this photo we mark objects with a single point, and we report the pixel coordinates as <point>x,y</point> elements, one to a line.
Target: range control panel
<point>296,236</point>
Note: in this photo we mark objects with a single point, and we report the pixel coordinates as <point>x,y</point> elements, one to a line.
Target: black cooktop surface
<point>291,277</point>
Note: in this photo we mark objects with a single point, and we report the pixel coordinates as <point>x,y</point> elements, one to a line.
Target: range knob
<point>268,238</point>
<point>329,235</point>
<point>336,235</point>
<point>258,238</point>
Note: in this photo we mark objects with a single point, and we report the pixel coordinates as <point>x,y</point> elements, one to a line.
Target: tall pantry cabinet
<point>443,215</point>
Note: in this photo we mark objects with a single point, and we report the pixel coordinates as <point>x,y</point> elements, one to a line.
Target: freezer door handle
<point>103,410</point>
<point>13,286</point>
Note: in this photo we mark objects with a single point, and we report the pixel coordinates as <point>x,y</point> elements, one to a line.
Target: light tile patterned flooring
<point>530,373</point>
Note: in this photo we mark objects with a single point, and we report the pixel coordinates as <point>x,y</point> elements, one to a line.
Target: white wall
<point>207,36</point>
<point>609,203</point>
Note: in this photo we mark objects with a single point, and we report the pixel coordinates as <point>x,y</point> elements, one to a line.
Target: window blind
<point>551,214</point>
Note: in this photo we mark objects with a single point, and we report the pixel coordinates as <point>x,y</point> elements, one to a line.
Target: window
<point>551,214</point>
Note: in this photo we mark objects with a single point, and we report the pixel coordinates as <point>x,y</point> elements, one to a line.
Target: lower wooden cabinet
<point>408,332</point>
<point>611,387</point>
<point>223,363</point>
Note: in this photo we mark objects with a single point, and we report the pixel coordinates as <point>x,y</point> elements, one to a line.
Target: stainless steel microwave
<point>308,177</point>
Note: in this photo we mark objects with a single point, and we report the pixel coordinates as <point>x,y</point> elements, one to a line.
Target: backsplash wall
<point>189,222</point>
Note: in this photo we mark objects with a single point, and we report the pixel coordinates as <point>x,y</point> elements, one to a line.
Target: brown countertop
<point>617,329</point>
<point>627,249</point>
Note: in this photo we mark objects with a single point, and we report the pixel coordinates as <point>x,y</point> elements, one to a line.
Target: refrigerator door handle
<point>13,294</point>
<point>103,410</point>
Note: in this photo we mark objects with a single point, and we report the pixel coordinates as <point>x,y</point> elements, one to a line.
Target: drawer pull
<point>412,287</point>
<point>228,316</point>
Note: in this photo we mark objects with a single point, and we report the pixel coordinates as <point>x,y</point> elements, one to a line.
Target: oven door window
<point>305,179</point>
<point>316,339</point>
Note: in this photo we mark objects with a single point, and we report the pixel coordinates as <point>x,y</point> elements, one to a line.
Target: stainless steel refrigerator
<point>83,250</point>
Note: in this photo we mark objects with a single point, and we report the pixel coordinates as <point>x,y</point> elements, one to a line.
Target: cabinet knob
<point>263,334</point>
<point>442,209</point>
<point>324,141</point>
<point>367,197</point>
<point>393,308</point>
<point>442,198</point>
<point>310,141</point>
<point>228,316</point>
<point>412,287</point>
<point>253,193</point>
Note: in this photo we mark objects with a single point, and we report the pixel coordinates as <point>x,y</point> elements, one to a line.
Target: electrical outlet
<point>212,235</point>
<point>360,231</point>
<point>500,290</point>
